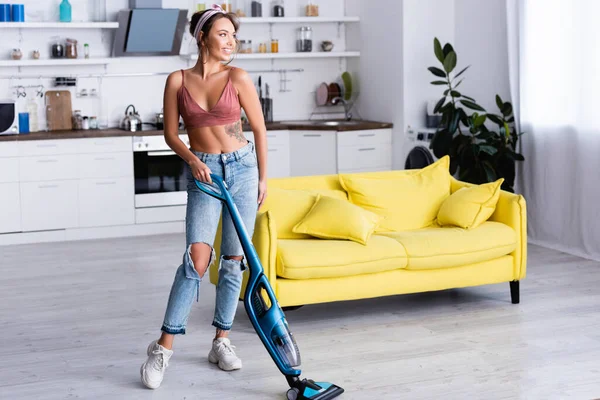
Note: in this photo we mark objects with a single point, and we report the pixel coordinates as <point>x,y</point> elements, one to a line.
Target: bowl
<point>326,45</point>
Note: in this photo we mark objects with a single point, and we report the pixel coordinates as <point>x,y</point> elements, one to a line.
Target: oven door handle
<point>161,153</point>
<point>211,190</point>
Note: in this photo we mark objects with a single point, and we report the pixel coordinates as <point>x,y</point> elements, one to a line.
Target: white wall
<point>396,40</point>
<point>380,67</point>
<point>423,21</point>
<point>146,92</point>
<point>481,41</point>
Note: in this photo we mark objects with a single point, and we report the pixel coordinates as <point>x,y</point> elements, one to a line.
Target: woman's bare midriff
<point>217,139</point>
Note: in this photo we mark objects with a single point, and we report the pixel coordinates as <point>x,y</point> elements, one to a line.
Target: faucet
<point>347,106</point>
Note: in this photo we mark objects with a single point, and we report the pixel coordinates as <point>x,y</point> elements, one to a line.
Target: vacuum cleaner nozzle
<point>307,389</point>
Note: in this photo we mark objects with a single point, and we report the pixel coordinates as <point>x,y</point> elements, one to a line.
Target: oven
<point>160,174</point>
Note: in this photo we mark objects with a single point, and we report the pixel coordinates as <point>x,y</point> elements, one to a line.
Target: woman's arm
<point>251,105</point>
<point>171,129</point>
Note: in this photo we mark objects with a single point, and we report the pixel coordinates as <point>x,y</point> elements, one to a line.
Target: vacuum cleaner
<point>267,317</point>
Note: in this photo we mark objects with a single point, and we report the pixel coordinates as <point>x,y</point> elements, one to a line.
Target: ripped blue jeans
<point>239,170</point>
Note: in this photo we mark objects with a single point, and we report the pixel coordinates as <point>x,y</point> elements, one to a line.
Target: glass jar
<point>304,39</point>
<point>245,46</point>
<point>278,10</point>
<point>77,120</point>
<point>312,9</point>
<point>274,46</point>
<point>16,54</point>
<point>58,49</point>
<point>262,48</point>
<point>93,122</point>
<point>86,50</point>
<point>71,48</point>
<point>256,8</point>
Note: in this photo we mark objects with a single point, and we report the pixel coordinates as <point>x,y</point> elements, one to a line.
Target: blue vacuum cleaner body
<point>264,311</point>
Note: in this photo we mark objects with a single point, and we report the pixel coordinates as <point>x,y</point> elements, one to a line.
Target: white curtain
<point>554,68</point>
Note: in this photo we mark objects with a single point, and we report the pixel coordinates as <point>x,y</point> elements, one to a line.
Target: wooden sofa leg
<point>514,292</point>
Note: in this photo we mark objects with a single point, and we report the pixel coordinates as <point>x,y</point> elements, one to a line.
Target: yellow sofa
<point>306,270</point>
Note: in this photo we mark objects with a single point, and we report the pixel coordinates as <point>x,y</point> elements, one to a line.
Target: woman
<point>208,97</point>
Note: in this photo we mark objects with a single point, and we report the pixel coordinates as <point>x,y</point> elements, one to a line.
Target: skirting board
<point>91,233</point>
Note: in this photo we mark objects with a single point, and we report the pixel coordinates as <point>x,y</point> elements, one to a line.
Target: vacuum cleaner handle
<point>210,190</point>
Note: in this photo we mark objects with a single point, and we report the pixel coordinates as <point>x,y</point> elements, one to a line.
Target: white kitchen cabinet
<point>48,205</point>
<point>48,168</point>
<point>9,170</point>
<point>9,149</point>
<point>313,153</point>
<point>105,165</point>
<point>106,202</point>
<point>48,147</point>
<point>10,207</point>
<point>364,151</point>
<point>278,153</point>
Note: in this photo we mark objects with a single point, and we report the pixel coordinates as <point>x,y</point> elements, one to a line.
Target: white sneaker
<point>153,370</point>
<point>223,355</point>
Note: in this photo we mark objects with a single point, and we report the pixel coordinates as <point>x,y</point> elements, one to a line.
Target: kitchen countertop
<point>272,126</point>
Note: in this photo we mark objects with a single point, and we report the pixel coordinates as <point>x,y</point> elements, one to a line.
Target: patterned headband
<point>207,14</point>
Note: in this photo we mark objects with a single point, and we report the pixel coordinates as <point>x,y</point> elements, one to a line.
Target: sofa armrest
<point>511,210</point>
<point>265,243</point>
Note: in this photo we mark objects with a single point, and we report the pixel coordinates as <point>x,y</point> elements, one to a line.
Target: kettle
<point>132,121</point>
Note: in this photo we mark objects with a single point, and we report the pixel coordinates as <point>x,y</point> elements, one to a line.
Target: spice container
<point>35,54</point>
<point>304,39</point>
<point>86,123</point>
<point>262,48</point>
<point>245,46</point>
<point>93,122</point>
<point>71,48</point>
<point>274,46</point>
<point>86,50</point>
<point>16,54</point>
<point>256,8</point>
<point>278,10</point>
<point>312,9</point>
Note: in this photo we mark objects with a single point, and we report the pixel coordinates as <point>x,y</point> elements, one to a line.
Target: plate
<point>322,94</point>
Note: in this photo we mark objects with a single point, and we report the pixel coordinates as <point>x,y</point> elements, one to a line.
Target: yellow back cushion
<point>469,207</point>
<point>331,218</point>
<point>289,206</point>
<point>405,201</point>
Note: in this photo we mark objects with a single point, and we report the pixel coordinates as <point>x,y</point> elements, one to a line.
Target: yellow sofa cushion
<point>331,218</point>
<point>470,207</point>
<point>318,258</point>
<point>405,201</point>
<point>289,206</point>
<point>445,247</point>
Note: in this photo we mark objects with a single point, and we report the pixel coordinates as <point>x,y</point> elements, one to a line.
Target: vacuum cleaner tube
<point>285,344</point>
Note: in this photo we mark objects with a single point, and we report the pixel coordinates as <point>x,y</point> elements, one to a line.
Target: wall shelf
<point>56,62</point>
<point>270,56</point>
<point>292,20</point>
<point>60,25</point>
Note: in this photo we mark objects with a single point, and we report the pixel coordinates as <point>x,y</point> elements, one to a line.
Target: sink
<point>336,123</point>
<point>323,123</point>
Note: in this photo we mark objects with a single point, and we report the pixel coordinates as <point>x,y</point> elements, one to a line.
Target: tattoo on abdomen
<point>235,130</point>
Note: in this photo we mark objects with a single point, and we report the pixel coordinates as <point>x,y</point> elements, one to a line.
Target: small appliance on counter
<point>132,121</point>
<point>9,118</point>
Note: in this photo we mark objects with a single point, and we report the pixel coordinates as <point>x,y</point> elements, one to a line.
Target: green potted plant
<point>478,153</point>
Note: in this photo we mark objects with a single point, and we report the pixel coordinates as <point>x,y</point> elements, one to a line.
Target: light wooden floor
<point>77,318</point>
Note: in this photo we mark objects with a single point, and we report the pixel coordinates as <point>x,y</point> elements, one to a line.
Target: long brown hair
<point>209,24</point>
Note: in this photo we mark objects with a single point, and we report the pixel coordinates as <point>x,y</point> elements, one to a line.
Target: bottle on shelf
<point>65,11</point>
<point>278,9</point>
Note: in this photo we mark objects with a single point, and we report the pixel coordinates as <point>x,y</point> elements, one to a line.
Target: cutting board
<point>59,110</point>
